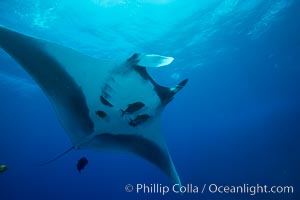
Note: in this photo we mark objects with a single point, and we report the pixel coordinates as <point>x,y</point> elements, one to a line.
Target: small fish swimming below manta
<point>86,91</point>
<point>82,163</point>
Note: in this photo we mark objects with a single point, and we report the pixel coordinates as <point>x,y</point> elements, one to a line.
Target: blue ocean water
<point>236,122</point>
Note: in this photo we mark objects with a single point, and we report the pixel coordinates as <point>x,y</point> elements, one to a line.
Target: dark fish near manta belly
<point>133,107</point>
<point>139,120</point>
<point>82,163</point>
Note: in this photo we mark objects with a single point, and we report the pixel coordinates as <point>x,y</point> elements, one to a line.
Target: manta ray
<point>89,96</point>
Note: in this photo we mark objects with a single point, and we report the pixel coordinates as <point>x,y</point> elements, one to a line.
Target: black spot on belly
<point>101,113</point>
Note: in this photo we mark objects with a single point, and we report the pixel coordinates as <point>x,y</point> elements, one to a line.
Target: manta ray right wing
<point>88,95</point>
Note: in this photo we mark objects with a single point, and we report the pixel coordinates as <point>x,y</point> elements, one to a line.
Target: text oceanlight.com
<point>157,188</point>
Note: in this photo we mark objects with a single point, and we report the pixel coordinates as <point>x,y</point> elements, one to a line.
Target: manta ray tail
<point>57,157</point>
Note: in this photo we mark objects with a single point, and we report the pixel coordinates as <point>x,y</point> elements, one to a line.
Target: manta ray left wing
<point>102,105</point>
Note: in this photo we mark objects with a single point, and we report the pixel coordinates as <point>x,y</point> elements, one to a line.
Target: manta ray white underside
<point>88,95</point>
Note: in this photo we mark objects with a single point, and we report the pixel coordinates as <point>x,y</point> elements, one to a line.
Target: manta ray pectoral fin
<point>152,150</point>
<point>61,73</point>
<point>150,60</point>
